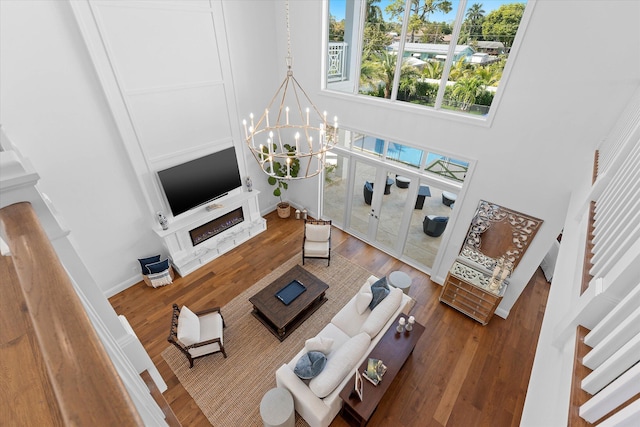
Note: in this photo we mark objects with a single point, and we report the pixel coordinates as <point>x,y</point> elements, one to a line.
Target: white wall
<point>52,107</point>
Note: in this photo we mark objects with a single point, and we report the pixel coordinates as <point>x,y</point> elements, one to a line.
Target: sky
<point>337,7</point>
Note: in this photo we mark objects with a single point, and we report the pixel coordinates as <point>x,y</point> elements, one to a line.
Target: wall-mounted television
<point>194,183</point>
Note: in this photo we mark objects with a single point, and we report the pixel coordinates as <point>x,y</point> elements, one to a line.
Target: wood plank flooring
<point>460,374</point>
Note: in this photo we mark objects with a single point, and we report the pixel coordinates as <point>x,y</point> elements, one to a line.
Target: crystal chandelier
<point>291,143</point>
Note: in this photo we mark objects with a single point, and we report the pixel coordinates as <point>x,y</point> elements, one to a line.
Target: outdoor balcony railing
<point>337,69</point>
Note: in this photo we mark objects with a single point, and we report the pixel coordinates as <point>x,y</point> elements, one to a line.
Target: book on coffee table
<point>375,370</point>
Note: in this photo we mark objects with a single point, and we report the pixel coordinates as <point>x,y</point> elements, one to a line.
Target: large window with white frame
<point>441,54</point>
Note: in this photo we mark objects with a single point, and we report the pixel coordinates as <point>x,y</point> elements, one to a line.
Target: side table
<point>393,349</point>
<point>400,279</point>
<point>276,408</point>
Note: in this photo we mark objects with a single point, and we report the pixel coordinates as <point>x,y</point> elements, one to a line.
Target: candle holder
<point>410,323</point>
<point>400,327</point>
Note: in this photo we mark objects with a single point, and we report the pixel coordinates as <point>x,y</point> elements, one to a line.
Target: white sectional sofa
<point>354,331</point>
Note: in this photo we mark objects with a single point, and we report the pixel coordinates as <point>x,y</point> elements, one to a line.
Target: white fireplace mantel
<point>186,257</point>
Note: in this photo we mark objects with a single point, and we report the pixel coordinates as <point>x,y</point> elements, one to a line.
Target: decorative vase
<point>162,220</point>
<point>284,210</point>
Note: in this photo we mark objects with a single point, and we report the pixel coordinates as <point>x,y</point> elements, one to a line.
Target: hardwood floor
<point>460,374</point>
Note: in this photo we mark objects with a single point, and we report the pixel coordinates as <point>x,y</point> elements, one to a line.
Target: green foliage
<point>420,11</point>
<point>378,72</point>
<point>502,23</point>
<point>375,40</point>
<point>336,30</point>
<point>280,170</point>
<point>467,90</point>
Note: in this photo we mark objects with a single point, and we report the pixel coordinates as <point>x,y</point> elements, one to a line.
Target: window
<point>453,52</point>
<point>404,155</point>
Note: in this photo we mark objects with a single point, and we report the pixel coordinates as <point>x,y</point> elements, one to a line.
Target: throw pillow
<point>383,313</point>
<point>341,365</point>
<point>318,343</point>
<point>363,300</point>
<point>150,260</point>
<point>158,267</point>
<point>310,365</point>
<point>188,327</point>
<point>380,290</point>
<point>160,279</point>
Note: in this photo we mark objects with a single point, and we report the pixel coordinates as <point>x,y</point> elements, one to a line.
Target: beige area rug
<point>229,390</point>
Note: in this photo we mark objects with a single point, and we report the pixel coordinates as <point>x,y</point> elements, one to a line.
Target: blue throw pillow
<point>368,186</point>
<point>380,290</point>
<point>158,267</point>
<point>441,219</point>
<point>144,261</point>
<point>310,365</point>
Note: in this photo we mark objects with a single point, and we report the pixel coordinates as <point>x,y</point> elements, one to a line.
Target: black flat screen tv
<point>194,183</point>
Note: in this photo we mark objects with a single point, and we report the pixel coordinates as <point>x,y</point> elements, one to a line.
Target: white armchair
<point>197,334</point>
<point>317,240</point>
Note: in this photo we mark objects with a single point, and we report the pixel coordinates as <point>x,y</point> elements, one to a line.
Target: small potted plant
<point>278,179</point>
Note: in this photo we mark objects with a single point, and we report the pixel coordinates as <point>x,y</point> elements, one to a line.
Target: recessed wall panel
<point>159,47</point>
<point>174,121</point>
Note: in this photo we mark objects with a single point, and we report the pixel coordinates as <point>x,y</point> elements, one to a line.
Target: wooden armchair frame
<point>173,335</point>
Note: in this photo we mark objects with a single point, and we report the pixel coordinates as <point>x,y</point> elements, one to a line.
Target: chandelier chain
<point>288,34</point>
<point>295,145</point>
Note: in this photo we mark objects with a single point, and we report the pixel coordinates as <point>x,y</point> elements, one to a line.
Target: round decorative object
<point>276,408</point>
<point>400,280</point>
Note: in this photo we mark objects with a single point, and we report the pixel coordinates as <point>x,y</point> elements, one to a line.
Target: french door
<point>389,213</point>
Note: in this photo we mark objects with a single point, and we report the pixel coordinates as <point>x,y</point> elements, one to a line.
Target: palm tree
<point>374,13</point>
<point>467,90</point>
<point>432,70</point>
<point>459,69</point>
<point>379,71</point>
<point>475,16</point>
<point>488,75</point>
<point>419,12</point>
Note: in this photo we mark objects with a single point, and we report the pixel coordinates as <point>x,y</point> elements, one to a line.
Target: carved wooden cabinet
<point>468,290</point>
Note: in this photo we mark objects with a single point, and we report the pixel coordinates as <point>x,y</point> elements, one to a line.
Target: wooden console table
<point>393,349</point>
<point>467,290</point>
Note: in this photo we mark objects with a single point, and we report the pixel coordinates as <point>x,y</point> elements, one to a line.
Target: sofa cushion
<point>348,319</point>
<point>310,365</point>
<point>379,290</point>
<point>363,300</point>
<point>188,327</point>
<point>381,314</point>
<point>340,364</point>
<point>319,343</point>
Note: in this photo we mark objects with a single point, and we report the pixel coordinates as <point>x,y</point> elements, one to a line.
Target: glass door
<point>377,207</point>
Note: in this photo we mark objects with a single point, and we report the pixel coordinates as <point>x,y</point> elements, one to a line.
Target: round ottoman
<point>448,198</point>
<point>276,408</point>
<point>400,280</point>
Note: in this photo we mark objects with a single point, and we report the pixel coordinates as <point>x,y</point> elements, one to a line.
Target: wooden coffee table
<point>394,350</point>
<point>283,319</point>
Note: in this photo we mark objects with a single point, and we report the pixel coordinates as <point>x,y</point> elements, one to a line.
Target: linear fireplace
<point>216,226</point>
